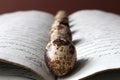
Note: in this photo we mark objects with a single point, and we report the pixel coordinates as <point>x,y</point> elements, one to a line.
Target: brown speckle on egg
<point>61,49</point>
<point>61,42</point>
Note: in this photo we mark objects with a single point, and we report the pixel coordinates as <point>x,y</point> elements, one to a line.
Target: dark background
<point>53,6</point>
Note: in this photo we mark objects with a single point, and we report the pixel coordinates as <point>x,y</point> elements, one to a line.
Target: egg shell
<point>60,57</point>
<point>60,32</point>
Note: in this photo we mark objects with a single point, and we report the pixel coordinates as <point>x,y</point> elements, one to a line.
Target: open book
<point>24,36</point>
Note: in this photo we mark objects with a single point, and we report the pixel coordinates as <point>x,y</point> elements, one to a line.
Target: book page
<point>23,37</point>
<point>107,75</point>
<point>97,37</point>
<point>12,72</point>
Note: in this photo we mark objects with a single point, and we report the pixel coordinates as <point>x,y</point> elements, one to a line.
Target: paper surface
<point>97,36</point>
<point>12,72</point>
<point>23,37</point>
